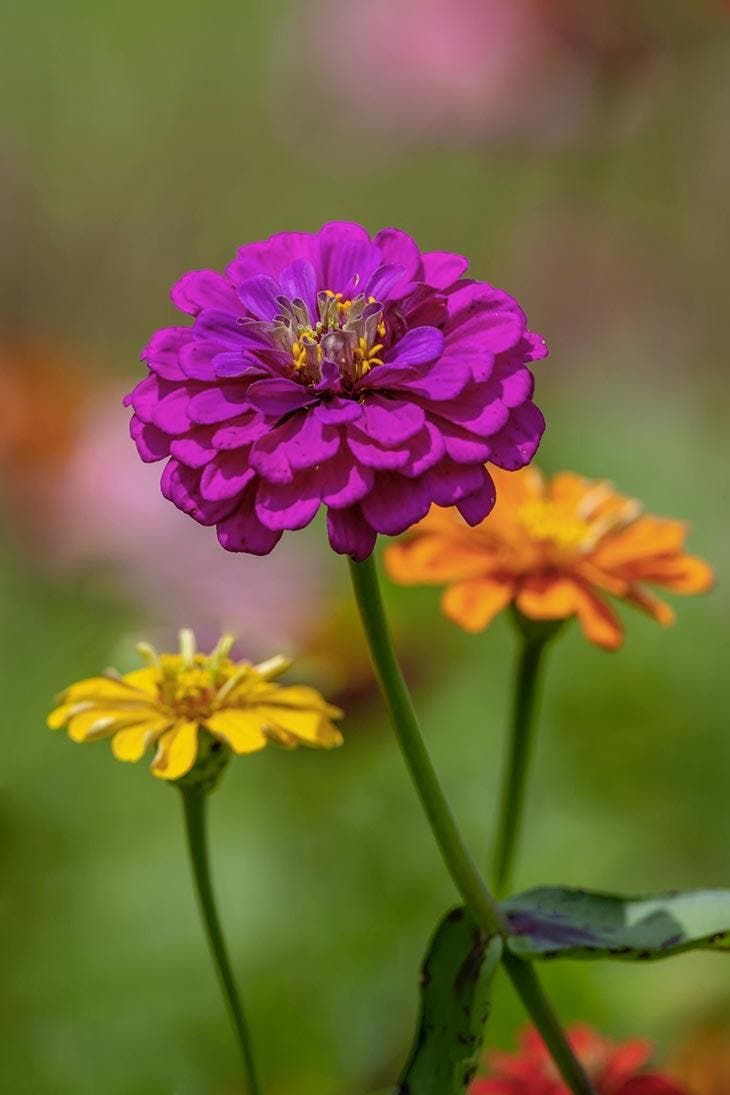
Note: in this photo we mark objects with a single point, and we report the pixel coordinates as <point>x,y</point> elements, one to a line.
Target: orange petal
<point>599,621</point>
<point>568,489</point>
<point>643,538</point>
<point>555,597</point>
<point>434,559</point>
<point>474,604</point>
<point>548,597</point>
<point>514,488</point>
<point>657,608</point>
<point>680,573</point>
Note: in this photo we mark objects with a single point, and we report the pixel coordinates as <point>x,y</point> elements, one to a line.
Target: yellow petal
<point>242,729</point>
<point>310,727</point>
<point>59,717</point>
<point>99,722</point>
<point>301,695</point>
<point>131,743</point>
<point>176,751</point>
<point>103,690</point>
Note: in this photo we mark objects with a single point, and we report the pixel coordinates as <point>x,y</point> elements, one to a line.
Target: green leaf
<point>556,922</point>
<point>455,986</point>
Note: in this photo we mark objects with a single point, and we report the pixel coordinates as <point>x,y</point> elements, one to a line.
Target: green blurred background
<point>580,157</point>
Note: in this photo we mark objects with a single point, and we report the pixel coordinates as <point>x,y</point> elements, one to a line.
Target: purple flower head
<point>333,370</point>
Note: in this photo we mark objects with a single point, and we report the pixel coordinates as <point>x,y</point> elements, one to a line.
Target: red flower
<point>614,1069</point>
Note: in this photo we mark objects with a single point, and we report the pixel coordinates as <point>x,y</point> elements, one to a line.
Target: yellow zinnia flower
<point>176,695</point>
<point>553,548</point>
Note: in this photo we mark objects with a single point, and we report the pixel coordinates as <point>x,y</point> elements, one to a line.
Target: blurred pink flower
<point>469,71</point>
<point>447,69</point>
<point>175,572</point>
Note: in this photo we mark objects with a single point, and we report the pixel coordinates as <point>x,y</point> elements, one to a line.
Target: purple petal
<point>372,455</point>
<point>241,431</point>
<point>343,482</point>
<point>396,503</point>
<point>269,453</point>
<point>272,255</point>
<point>449,483</point>
<point>470,350</point>
<point>171,413</point>
<point>478,505</point>
<point>234,364</point>
<point>336,411</point>
<point>516,444</point>
<point>425,450</point>
<point>419,346</point>
<point>398,247</point>
<point>382,281</point>
<point>194,450</point>
<point>481,311</point>
<point>350,534</point>
<point>258,295</point>
<point>145,396</point>
<point>299,280</point>
<point>226,476</point>
<point>533,347</point>
<point>391,421</point>
<point>346,255</point>
<point>312,443</point>
<point>196,360</point>
<point>441,269</point>
<point>478,409</point>
<point>218,404</point>
<point>223,328</point>
<point>516,383</point>
<point>162,351</point>
<point>152,444</point>
<point>242,530</point>
<point>181,486</point>
<point>288,505</point>
<point>446,379</point>
<point>203,289</point>
<point>425,307</point>
<point>462,446</point>
<point>278,396</point>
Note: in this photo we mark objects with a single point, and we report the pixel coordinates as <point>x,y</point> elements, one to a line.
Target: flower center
<point>348,333</point>
<point>188,690</point>
<point>551,524</point>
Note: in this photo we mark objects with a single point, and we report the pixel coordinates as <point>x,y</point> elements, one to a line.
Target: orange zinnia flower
<point>552,547</point>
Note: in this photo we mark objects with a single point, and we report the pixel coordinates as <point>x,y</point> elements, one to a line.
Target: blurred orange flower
<point>553,547</point>
<point>703,1060</point>
<point>613,1069</point>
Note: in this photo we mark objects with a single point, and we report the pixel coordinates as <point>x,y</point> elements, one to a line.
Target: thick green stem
<point>443,824</point>
<point>513,788</point>
<point>195,806</point>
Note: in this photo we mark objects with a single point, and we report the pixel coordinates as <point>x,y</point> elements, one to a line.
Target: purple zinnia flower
<point>331,369</point>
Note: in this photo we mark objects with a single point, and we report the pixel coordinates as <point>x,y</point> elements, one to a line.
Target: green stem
<point>513,788</point>
<point>532,995</point>
<point>195,806</point>
<point>443,824</point>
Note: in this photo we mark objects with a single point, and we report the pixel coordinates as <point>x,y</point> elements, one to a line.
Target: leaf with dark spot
<point>455,987</point>
<point>557,922</point>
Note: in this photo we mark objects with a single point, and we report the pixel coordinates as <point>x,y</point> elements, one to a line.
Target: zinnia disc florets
<point>336,370</point>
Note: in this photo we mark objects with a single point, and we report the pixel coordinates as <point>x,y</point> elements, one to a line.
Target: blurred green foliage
<point>139,140</point>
